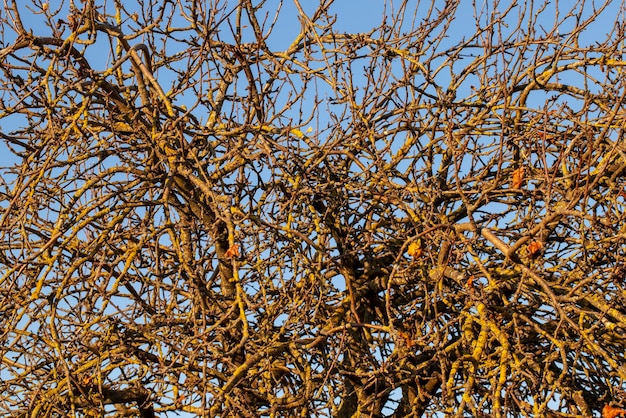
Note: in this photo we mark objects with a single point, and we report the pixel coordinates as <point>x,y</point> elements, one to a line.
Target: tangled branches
<point>228,215</point>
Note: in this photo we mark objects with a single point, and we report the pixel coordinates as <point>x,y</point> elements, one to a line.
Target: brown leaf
<point>518,178</point>
<point>534,249</point>
<point>407,339</point>
<point>612,412</point>
<point>545,136</point>
<point>232,251</point>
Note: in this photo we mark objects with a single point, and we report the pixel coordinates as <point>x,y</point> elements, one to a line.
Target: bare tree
<point>203,214</point>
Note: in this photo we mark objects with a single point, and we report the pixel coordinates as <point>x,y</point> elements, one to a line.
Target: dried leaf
<point>415,249</point>
<point>534,249</point>
<point>546,136</point>
<point>407,339</point>
<point>232,252</point>
<point>297,132</point>
<point>518,178</point>
<point>612,412</point>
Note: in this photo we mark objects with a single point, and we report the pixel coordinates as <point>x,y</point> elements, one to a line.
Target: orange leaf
<point>534,249</point>
<point>232,251</point>
<point>612,412</point>
<point>407,339</point>
<point>545,135</point>
<point>518,178</point>
<point>415,249</point>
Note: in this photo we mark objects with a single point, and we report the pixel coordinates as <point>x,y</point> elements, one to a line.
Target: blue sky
<point>351,17</point>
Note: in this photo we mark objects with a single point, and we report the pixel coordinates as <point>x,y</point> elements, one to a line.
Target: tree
<point>204,214</point>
